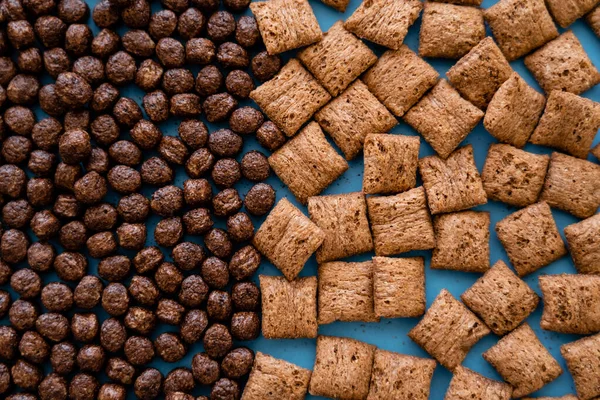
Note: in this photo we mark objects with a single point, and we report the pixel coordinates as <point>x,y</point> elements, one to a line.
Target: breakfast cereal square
<point>593,19</point>
<point>565,13</point>
<point>399,287</point>
<point>467,384</point>
<point>583,362</point>
<point>339,5</point>
<point>584,245</point>
<point>565,397</point>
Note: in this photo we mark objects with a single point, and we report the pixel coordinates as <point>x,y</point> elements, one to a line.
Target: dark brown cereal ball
<point>240,227</point>
<point>124,179</point>
<point>238,363</point>
<point>137,14</point>
<point>33,347</point>
<point>119,370</point>
<point>9,341</point>
<point>57,297</point>
<point>205,370</point>
<point>177,6</point>
<point>144,290</point>
<point>4,302</point>
<point>40,192</point>
<point>168,232</point>
<point>91,358</point>
<point>101,217</point>
<point>188,256</point>
<point>62,358</point>
<point>245,296</point>
<point>120,68</point>
<point>39,7</point>
<point>199,163</point>
<point>209,81</point>
<point>17,213</point>
<point>169,347</point>
<point>134,208</point>
<point>112,391</point>
<point>53,326</point>
<point>146,135</point>
<point>197,221</point>
<point>139,350</point>
<point>46,133</point>
<point>245,325</point>
<point>247,120</point>
<point>50,30</point>
<point>84,327</point>
<point>83,387</point>
<point>156,105</point>
<point>105,97</point>
<point>156,171</point>
<point>168,278</point>
<point>12,180</point>
<point>73,90</point>
<point>72,11</point>
<point>113,335</point>
<point>26,282</point>
<point>193,291</point>
<point>30,61</point>
<point>246,32</point>
<point>131,236</point>
<point>196,192</point>
<point>66,175</point>
<point>140,320</point>
<point>179,396</point>
<point>148,75</point>
<point>236,5</point>
<point>5,380</point>
<point>90,68</point>
<point>167,201</point>
<point>218,305</point>
<point>107,42</point>
<point>200,51</point>
<point>20,120</point>
<point>260,199</point>
<point>217,341</point>
<point>90,188</point>
<point>185,105</point>
<point>5,273</point>
<point>41,162</point>
<point>44,225</point>
<point>105,14</point>
<point>53,387</point>
<point>265,66</point>
<point>77,119</point>
<point>88,292</point>
<point>191,23</point>
<point>40,256</point>
<point>193,326</point>
<point>218,107</point>
<point>173,150</point>
<point>114,268</point>
<point>239,84</point>
<point>13,246</point>
<point>70,266</point>
<point>206,6</point>
<point>225,389</point>
<point>232,55</point>
<point>98,161</point>
<point>148,260</point>
<point>255,166</point>
<point>8,70</point>
<point>20,34</point>
<point>170,52</point>
<point>215,273</point>
<point>227,202</point>
<point>148,384</point>
<point>179,380</point>
<point>25,375</point>
<point>193,133</point>
<point>220,26</point>
<point>74,146</point>
<point>78,39</point>
<point>16,149</point>
<point>226,172</point>
<point>162,24</point>
<point>105,130</point>
<point>169,312</point>
<point>115,299</point>
<point>139,43</point>
<point>56,62</point>
<point>127,112</point>
<point>73,235</point>
<point>225,143</point>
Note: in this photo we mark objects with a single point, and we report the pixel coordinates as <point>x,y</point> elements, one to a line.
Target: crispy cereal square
<point>390,163</point>
<point>274,379</point>
<point>346,292</point>
<point>399,79</point>
<point>342,368</point>
<point>593,19</point>
<point>398,376</point>
<point>286,24</point>
<point>572,185</point>
<point>288,238</point>
<point>467,384</point>
<point>513,176</point>
<point>449,31</point>
<point>384,22</point>
<point>571,303</point>
<point>343,220</point>
<point>462,241</point>
<point>401,223</point>
<point>584,245</point>
<point>354,114</point>
<point>567,12</point>
<point>443,118</point>
<point>514,112</point>
<point>338,47</point>
<point>530,238</point>
<point>291,97</point>
<point>289,309</point>
<point>569,124</point>
<point>453,184</point>
<point>399,287</point>
<point>563,64</point>
<point>480,73</point>
<point>448,330</point>
<point>583,361</point>
<point>339,5</point>
<point>520,26</point>
<point>307,164</point>
<point>501,299</point>
<point>565,397</point>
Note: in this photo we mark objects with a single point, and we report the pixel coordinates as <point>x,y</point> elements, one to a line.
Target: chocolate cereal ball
<point>162,24</point>
<point>13,246</point>
<point>169,312</point>
<point>8,70</point>
<point>40,192</point>
<point>170,52</point>
<point>205,370</point>
<point>72,11</point>
<point>156,105</point>
<point>53,326</point>
<point>25,375</point>
<point>148,260</point>
<point>169,347</point>
<point>120,68</point>
<point>200,51</point>
<point>70,266</point>
<point>20,34</point>
<point>155,171</point>
<point>217,341</point>
<point>168,232</point>
<point>112,391</point>
<point>218,306</point>
<point>57,297</point>
<point>105,97</point>
<point>137,14</point>
<point>240,227</point>
<point>52,387</point>
<point>197,221</point>
<point>26,283</point>
<point>50,30</point>
<point>101,217</point>
<point>226,172</point>
<point>4,378</point>
<point>255,166</point>
<point>191,23</point>
<point>246,32</point>
<point>74,146</point>
<point>88,292</point>
<point>40,256</point>
<point>23,89</point>
<point>144,290</point>
<point>113,336</point>
<point>44,225</point>
<point>30,61</point>
<point>178,80</point>
<point>146,135</point>
<point>209,81</point>
<point>138,43</point>
<point>265,66</point>
<point>173,150</point>
<point>5,273</point>
<point>62,358</point>
<point>139,350</point>
<point>90,188</point>
<point>225,389</point>
<point>17,213</point>
<point>225,143</point>
<point>124,179</point>
<point>168,278</point>
<point>193,133</point>
<point>66,206</point>
<point>125,152</point>
<point>78,39</point>
<point>260,199</point>
<point>16,149</point>
<point>227,202</point>
<point>20,120</point>
<point>193,326</point>
<point>245,325</point>
<point>80,119</point>
<point>134,208</point>
<point>206,6</point>
<point>200,162</point>
<point>57,61</point>
<point>196,192</point>
<point>84,327</point>
<point>73,235</point>
<point>115,300</point>
<point>12,180</point>
<point>66,175</point>
<point>105,14</point>
<point>239,84</point>
<point>90,68</point>
<point>193,291</point>
<point>220,26</point>
<point>245,296</point>
<point>91,358</point>
<point>148,384</point>
<point>107,42</point>
<point>131,236</point>
<point>185,105</point>
<point>104,130</point>
<point>73,90</point>
<point>176,5</point>
<point>4,302</point>
<point>232,55</point>
<point>114,268</point>
<point>140,320</point>
<point>33,347</point>
<point>127,112</point>
<point>217,241</point>
<point>41,162</point>
<point>9,341</point>
<point>83,387</point>
<point>179,380</point>
<point>149,75</point>
<point>188,256</point>
<point>237,363</point>
<point>46,133</point>
<point>246,120</point>
<point>215,273</point>
<point>167,201</point>
<point>119,370</point>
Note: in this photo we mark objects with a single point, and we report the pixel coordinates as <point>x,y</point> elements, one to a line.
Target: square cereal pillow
<point>307,164</point>
<point>346,292</point>
<point>286,24</point>
<point>338,47</point>
<point>350,117</point>
<point>467,384</point>
<point>569,124</point>
<point>288,238</point>
<point>583,361</point>
<point>400,223</point>
<point>501,299</point>
<point>453,184</point>
<point>514,112</point>
<point>565,13</point>
<point>520,26</point>
<point>443,118</point>
<point>384,22</point>
<point>593,19</point>
<point>572,185</point>
<point>399,376</point>
<point>571,303</point>
<point>342,368</point>
<point>399,287</point>
<point>462,241</point>
<point>399,79</point>
<point>480,73</point>
<point>289,309</point>
<point>339,5</point>
<point>343,220</point>
<point>584,245</point>
<point>563,64</point>
<point>513,176</point>
<point>291,97</point>
<point>390,163</point>
<point>274,379</point>
<point>523,361</point>
<point>449,31</point>
<point>531,238</point>
<point>448,330</point>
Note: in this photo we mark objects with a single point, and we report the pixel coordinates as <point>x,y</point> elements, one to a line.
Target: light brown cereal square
<point>584,245</point>
<point>307,164</point>
<point>567,12</point>
<point>338,47</point>
<point>354,114</point>
<point>523,361</point>
<point>390,163</point>
<point>400,223</point>
<point>342,368</point>
<point>572,185</point>
<point>399,79</point>
<point>467,384</point>
<point>593,19</point>
<point>596,151</point>
<point>513,176</point>
<point>449,31</point>
<point>583,361</point>
<point>291,97</point>
<point>453,184</point>
<point>289,309</point>
<point>288,238</point>
<point>384,22</point>
<point>339,5</point>
<point>286,24</point>
<point>399,287</point>
<point>343,220</point>
<point>443,118</point>
<point>501,299</point>
<point>565,397</point>
<point>399,376</point>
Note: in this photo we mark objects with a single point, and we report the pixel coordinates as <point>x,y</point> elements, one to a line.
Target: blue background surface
<point>388,334</point>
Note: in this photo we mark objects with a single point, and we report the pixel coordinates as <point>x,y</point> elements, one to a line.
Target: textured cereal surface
<point>583,361</point>
<point>399,287</point>
<point>596,151</point>
<point>467,384</point>
<point>593,19</point>
<point>339,5</point>
<point>463,2</point>
<point>584,245</point>
<point>565,13</point>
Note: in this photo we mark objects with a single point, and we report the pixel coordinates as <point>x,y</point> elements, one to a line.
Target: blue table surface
<point>389,334</point>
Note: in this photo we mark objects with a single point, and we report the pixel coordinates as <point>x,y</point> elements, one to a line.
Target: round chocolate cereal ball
<point>134,208</point>
<point>156,171</point>
<point>107,42</point>
<point>179,380</point>
<point>119,370</point>
<point>78,39</point>
<point>185,105</point>
<point>25,375</point>
<point>206,6</point>
<point>17,213</point>
<point>205,370</point>
<point>245,296</point>
<point>115,299</point>
<point>125,152</point>
<point>91,358</point>
<point>217,341</point>
<point>156,105</point>
<point>260,199</point>
<point>173,150</point>
<point>138,43</point>
<point>62,358</point>
<point>46,133</point>
<point>197,221</point>
<point>178,80</point>
<point>149,75</point>
<point>9,341</point>
<point>232,55</point>
<point>193,291</point>
<point>8,70</point>
<point>124,179</point>
<point>179,396</point>
<point>199,163</point>
<point>4,302</point>
<point>148,384</point>
<point>237,363</point>
<point>245,325</point>
<point>113,335</point>
<point>105,14</point>
<point>162,24</point>
<point>169,347</point>
<point>104,130</point>
<point>101,217</point>
<point>74,146</point>
<point>176,5</point>
<point>200,51</point>
<point>146,135</point>
<point>226,172</point>
<point>131,236</point>
<point>246,120</point>
<point>73,235</point>
<point>168,278</point>
<point>72,11</point>
<point>12,180</point>
<point>240,227</point>
<point>90,188</point>
<point>5,381</point>
<point>16,149</point>
<point>140,320</point>
<point>23,89</point>
<point>73,90</point>
<point>112,391</point>
<point>220,26</point>
<point>168,232</point>
<point>105,97</point>
<point>167,201</point>
<point>215,273</point>
<point>44,225</point>
<point>83,387</point>
<point>20,34</point>
<point>30,61</point>
<point>120,68</point>
<point>56,62</point>
<point>88,292</point>
<point>191,23</point>
<point>26,282</point>
<point>136,14</point>
<point>53,326</point>
<point>70,266</point>
<point>188,256</point>
<point>13,246</point>
<point>41,162</point>
<point>196,192</point>
<point>265,66</point>
<point>5,273</point>
<point>225,389</point>
<point>246,32</point>
<point>19,120</point>
<point>33,347</point>
<point>209,81</point>
<point>144,290</point>
<point>193,133</point>
<point>127,112</point>
<point>139,350</point>
<point>218,306</point>
<point>217,241</point>
<point>66,175</point>
<point>148,260</point>
<point>114,268</point>
<point>225,143</point>
<point>53,387</point>
<point>57,297</point>
<point>170,52</point>
<point>50,30</point>
<point>40,256</point>
<point>193,326</point>
<point>40,192</point>
<point>90,68</point>
<point>255,166</point>
<point>84,327</point>
<point>98,161</point>
<point>227,202</point>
